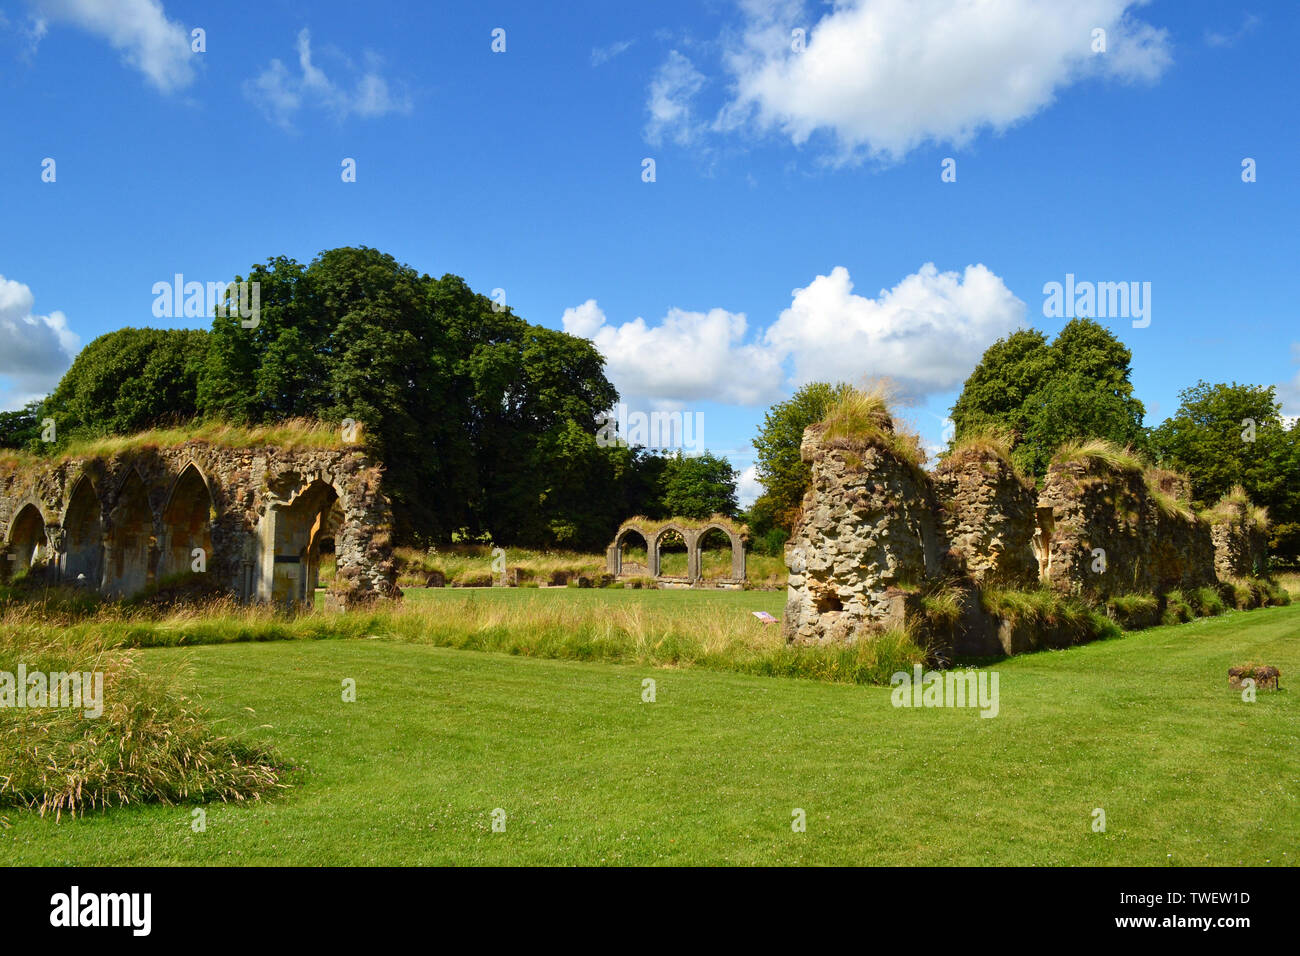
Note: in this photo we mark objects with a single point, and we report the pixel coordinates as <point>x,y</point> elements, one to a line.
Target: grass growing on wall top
<point>860,418</point>
<point>1100,453</point>
<point>298,434</point>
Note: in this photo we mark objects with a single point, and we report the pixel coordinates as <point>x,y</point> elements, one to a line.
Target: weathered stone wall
<point>259,516</point>
<point>874,531</point>
<point>1107,535</point>
<point>1240,546</point>
<point>868,533</point>
<point>989,516</point>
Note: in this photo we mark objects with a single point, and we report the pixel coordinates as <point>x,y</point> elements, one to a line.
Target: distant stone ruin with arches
<point>251,523</point>
<point>692,533</point>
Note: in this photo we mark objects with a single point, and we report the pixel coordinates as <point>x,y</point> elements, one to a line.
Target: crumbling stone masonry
<point>253,519</point>
<point>1240,544</point>
<point>868,534</point>
<point>875,532</point>
<point>989,516</point>
<point>1108,535</point>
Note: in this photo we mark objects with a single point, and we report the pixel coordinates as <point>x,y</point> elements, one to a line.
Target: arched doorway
<point>27,545</point>
<point>83,527</point>
<point>673,555</point>
<point>186,524</point>
<point>300,528</point>
<point>721,554</point>
<point>131,541</point>
<point>631,557</point>
<point>322,548</point>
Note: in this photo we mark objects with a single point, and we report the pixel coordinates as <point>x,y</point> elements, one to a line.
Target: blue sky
<point>797,226</point>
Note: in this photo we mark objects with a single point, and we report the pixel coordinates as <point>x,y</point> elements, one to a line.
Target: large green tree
<point>699,486</point>
<point>783,475</point>
<point>128,381</point>
<point>1228,434</point>
<point>21,428</point>
<point>477,414</point>
<point>1045,394</point>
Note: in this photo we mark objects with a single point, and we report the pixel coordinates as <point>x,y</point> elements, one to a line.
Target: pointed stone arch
<point>296,527</point>
<point>83,535</point>
<point>26,543</point>
<point>186,523</point>
<point>131,545</point>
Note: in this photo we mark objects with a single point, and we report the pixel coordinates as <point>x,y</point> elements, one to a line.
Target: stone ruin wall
<point>990,518</point>
<point>1144,549</point>
<point>1240,548</point>
<point>867,532</point>
<point>124,523</point>
<point>873,529</point>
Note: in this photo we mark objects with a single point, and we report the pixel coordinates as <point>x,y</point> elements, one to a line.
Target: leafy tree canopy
<point>698,486</point>
<point>1046,394</point>
<point>783,475</point>
<point>128,381</point>
<point>1223,435</point>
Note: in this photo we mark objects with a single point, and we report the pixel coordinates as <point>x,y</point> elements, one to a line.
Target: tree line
<point>1044,393</point>
<point>486,424</point>
<point>490,427</point>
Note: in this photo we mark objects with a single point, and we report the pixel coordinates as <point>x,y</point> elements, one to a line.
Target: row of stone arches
<point>660,540</point>
<point>121,546</point>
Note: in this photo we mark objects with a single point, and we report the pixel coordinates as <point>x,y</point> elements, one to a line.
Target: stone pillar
<point>693,571</point>
<point>737,558</point>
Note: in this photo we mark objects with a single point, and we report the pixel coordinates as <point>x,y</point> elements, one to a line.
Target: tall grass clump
<point>1043,607</point>
<point>687,636</point>
<point>1100,453</point>
<point>860,418</point>
<point>150,744</point>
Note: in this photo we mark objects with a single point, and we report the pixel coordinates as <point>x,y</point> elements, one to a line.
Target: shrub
<point>1177,608</point>
<point>1133,610</point>
<point>772,543</point>
<point>1206,602</point>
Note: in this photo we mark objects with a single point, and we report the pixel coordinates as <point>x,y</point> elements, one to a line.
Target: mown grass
<point>588,772</point>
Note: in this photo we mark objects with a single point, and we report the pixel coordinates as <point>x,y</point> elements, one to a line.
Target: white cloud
<point>926,333</point>
<point>748,487</point>
<point>671,102</point>
<point>35,350</point>
<point>687,357</point>
<point>1288,393</point>
<point>280,94</point>
<point>138,29</point>
<point>884,76</point>
<point>1214,38</point>
<point>603,54</point>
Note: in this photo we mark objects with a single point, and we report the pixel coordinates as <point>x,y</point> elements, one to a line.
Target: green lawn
<point>670,600</point>
<point>1144,727</point>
